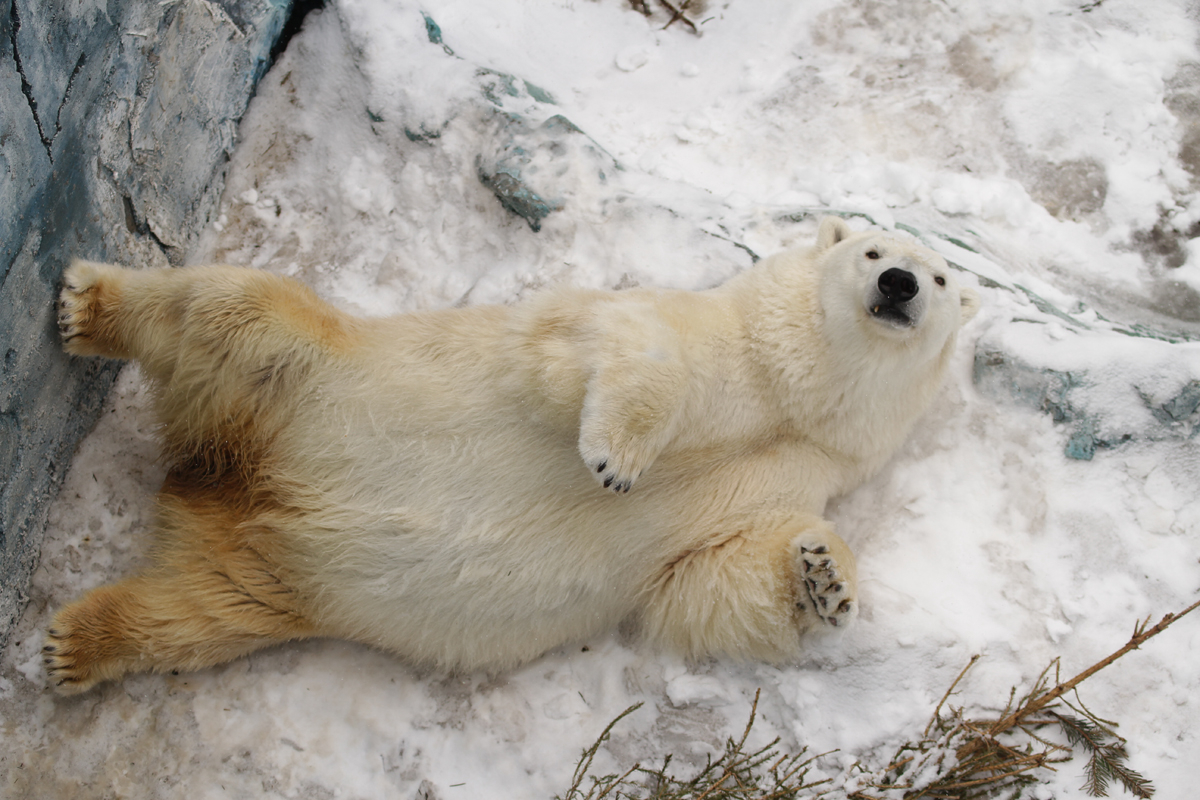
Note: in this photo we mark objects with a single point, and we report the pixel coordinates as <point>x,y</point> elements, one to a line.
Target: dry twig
<point>678,12</point>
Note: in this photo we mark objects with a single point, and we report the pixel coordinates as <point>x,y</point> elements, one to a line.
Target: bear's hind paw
<point>79,305</point>
<point>66,666</point>
<point>830,593</point>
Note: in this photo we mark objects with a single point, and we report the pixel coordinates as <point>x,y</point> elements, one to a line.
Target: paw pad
<point>829,592</point>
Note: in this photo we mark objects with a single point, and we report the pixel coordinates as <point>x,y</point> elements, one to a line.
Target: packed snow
<point>1048,148</point>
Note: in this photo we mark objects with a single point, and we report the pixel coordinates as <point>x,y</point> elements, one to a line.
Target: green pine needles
<point>1107,756</point>
<point>958,756</point>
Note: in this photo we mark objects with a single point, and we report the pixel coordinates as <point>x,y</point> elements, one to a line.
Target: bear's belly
<point>464,546</point>
<point>459,531</point>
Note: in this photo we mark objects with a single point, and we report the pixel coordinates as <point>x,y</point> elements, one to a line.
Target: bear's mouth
<point>891,315</point>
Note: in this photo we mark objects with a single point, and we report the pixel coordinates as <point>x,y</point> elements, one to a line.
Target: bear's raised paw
<point>610,475</point>
<point>828,587</point>
<point>615,468</point>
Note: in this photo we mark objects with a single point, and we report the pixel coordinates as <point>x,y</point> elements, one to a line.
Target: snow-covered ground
<point>1051,148</point>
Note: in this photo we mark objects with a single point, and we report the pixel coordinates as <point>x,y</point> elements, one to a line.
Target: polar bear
<point>468,488</point>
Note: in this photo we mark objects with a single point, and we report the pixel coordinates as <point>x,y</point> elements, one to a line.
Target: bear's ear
<point>970,303</point>
<point>832,231</point>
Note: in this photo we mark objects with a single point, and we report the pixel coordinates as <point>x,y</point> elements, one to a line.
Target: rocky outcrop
<point>117,120</point>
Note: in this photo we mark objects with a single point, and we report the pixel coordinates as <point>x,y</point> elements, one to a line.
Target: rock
<point>532,169</point>
<point>1181,407</point>
<point>1109,387</point>
<point>523,157</point>
<point>116,126</point>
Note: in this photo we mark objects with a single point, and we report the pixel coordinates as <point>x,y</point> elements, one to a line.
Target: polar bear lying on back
<point>469,488</point>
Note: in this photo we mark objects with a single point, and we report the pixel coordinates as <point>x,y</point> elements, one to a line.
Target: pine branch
<point>982,762</point>
<point>955,757</point>
<point>763,774</point>
<point>1040,699</point>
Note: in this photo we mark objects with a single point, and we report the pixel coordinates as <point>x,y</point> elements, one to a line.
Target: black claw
<point>844,606</point>
<point>608,481</point>
<point>835,587</point>
<point>53,631</point>
<point>49,649</point>
<point>821,549</point>
<point>601,467</point>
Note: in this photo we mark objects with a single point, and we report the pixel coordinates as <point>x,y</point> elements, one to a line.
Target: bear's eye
<point>939,280</point>
<point>872,254</point>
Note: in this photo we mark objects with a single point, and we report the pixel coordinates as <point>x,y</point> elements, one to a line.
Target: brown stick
<point>950,691</point>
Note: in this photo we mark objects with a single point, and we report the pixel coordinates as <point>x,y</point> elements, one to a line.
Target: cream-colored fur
<point>469,488</point>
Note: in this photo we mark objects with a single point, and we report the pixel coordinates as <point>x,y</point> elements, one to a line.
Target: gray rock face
<point>116,120</point>
<point>528,163</point>
<point>1108,387</point>
<point>1108,382</point>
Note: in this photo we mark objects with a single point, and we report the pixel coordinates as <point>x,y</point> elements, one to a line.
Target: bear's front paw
<point>828,588</point>
<point>613,458</point>
<point>616,460</point>
<point>611,472</point>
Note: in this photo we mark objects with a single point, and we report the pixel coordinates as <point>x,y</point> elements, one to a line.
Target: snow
<point>1033,143</point>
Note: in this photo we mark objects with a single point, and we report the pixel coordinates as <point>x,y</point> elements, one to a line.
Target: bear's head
<point>891,289</point>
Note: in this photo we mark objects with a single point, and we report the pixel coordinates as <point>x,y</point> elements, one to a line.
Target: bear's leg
<point>215,592</point>
<point>229,349</point>
<point>226,318</point>
<point>629,415</point>
<point>752,592</point>
<point>111,311</point>
<point>152,623</point>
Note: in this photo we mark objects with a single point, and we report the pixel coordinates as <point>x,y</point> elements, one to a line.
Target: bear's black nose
<point>898,285</point>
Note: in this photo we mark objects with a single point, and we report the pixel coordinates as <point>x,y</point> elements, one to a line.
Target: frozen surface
<point>1048,148</point>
